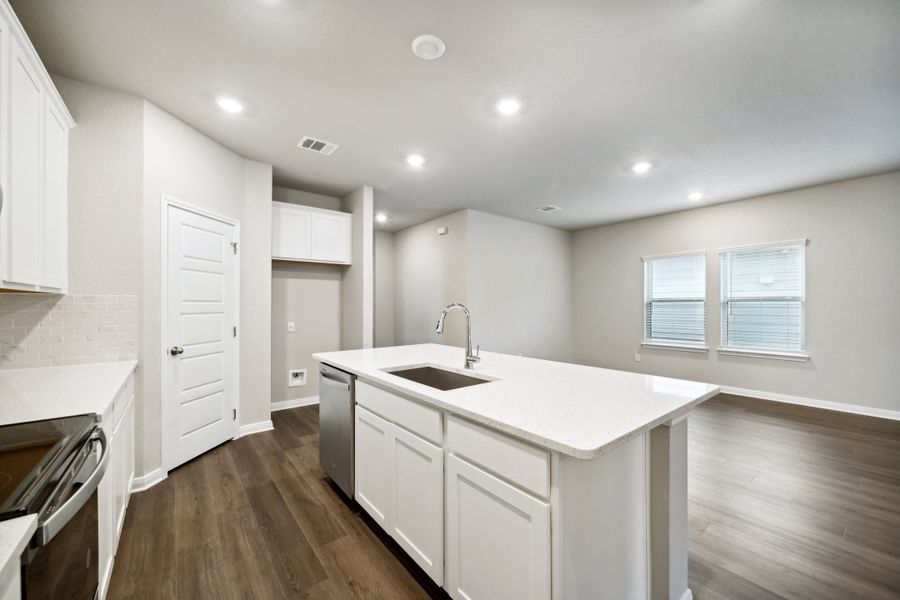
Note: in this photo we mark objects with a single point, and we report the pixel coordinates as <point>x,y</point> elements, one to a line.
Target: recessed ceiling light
<point>641,167</point>
<point>381,217</point>
<point>428,47</point>
<point>415,160</point>
<point>695,196</point>
<point>229,105</point>
<point>509,106</point>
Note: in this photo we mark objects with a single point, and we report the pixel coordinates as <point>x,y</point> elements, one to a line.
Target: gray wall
<point>309,295</point>
<point>282,194</point>
<point>852,280</point>
<point>520,286</point>
<point>429,273</point>
<point>384,289</point>
<point>514,276</point>
<point>358,281</point>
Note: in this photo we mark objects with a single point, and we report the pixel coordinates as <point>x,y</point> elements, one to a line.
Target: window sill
<point>674,346</point>
<point>773,354</point>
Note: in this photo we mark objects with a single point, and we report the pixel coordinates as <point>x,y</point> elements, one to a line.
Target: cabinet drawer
<point>522,464</point>
<point>409,414</point>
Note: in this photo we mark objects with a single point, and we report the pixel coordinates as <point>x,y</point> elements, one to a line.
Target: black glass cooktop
<point>30,453</point>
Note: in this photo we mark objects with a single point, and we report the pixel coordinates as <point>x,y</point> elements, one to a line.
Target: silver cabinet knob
<point>176,350</point>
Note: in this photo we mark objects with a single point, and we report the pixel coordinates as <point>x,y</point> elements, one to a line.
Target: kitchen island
<point>540,480</point>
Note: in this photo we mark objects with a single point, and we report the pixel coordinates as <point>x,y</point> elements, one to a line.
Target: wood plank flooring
<point>786,503</point>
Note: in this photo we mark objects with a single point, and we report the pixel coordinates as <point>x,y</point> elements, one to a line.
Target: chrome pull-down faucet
<point>471,358</point>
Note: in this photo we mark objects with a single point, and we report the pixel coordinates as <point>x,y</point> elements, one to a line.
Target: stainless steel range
<point>52,469</point>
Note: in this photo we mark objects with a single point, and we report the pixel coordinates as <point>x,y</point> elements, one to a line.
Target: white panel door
<point>329,238</point>
<point>373,466</point>
<point>201,349</point>
<point>290,233</point>
<point>498,538</point>
<point>418,501</point>
<point>56,228</point>
<point>23,198</point>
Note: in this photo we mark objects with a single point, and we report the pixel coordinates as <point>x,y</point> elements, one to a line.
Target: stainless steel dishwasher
<point>336,422</point>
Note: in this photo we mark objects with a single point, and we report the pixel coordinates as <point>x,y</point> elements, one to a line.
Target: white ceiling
<point>734,97</point>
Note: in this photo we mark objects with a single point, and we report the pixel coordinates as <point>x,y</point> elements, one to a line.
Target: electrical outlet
<point>296,377</point>
<point>637,357</point>
<point>291,327</point>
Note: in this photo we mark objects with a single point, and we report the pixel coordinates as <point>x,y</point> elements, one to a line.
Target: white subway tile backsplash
<point>41,331</point>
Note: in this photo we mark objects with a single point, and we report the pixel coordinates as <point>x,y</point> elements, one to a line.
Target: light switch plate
<point>291,327</point>
<point>637,357</point>
<point>296,378</point>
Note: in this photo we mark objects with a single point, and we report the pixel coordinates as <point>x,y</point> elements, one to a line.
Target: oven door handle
<point>55,522</point>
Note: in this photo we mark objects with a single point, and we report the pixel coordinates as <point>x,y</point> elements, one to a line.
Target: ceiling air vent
<point>314,145</point>
<point>548,209</point>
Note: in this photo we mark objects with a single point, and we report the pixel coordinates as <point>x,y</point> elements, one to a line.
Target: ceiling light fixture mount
<point>695,196</point>
<point>381,218</point>
<point>415,160</point>
<point>508,105</point>
<point>229,105</point>
<point>428,47</point>
<point>641,167</point>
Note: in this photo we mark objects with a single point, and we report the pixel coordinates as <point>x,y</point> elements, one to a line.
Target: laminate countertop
<point>576,410</point>
<point>53,392</point>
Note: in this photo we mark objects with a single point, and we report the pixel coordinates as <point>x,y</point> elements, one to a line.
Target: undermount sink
<point>435,377</point>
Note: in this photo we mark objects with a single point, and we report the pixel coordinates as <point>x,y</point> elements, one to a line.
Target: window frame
<point>774,353</point>
<point>669,344</point>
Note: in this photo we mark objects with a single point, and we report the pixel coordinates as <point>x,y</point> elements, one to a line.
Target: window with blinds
<point>675,299</point>
<point>763,297</point>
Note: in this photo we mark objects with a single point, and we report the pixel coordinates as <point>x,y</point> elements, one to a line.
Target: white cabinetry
<point>496,521</point>
<point>115,487</point>
<point>417,507</point>
<point>373,465</point>
<point>498,537</point>
<point>303,233</point>
<point>34,130</point>
<point>399,473</point>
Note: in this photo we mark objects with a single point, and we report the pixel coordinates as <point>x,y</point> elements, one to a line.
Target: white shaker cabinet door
<point>23,197</point>
<point>55,210</point>
<point>418,501</point>
<point>498,538</point>
<point>290,233</point>
<point>373,466</point>
<point>330,237</point>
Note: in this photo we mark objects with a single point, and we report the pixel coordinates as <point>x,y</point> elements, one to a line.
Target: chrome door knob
<point>176,350</point>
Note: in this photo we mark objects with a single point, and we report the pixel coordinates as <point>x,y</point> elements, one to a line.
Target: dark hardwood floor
<point>785,503</point>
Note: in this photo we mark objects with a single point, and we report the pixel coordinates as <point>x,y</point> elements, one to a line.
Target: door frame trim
<point>167,202</point>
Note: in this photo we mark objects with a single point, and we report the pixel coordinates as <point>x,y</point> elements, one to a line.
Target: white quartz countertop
<point>573,409</point>
<point>14,537</point>
<point>52,392</point>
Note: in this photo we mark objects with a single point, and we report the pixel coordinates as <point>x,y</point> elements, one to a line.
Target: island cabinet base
<point>491,517</point>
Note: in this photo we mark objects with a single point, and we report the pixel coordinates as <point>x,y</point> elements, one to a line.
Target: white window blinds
<point>763,297</point>
<point>674,299</point>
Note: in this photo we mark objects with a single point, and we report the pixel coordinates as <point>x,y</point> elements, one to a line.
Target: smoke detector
<point>428,47</point>
<point>317,146</point>
<point>548,209</point>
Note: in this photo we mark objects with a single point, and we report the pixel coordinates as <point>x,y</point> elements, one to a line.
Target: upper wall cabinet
<point>34,132</point>
<point>310,234</point>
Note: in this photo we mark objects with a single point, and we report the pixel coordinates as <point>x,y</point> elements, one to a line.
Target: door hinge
<point>234,331</point>
<point>234,245</point>
<point>234,414</point>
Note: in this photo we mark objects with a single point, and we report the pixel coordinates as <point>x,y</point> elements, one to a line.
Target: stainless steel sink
<point>441,379</point>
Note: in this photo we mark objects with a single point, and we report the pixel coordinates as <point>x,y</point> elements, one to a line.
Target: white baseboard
<point>855,409</point>
<point>250,428</point>
<point>286,404</point>
<point>139,484</point>
<point>687,595</point>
